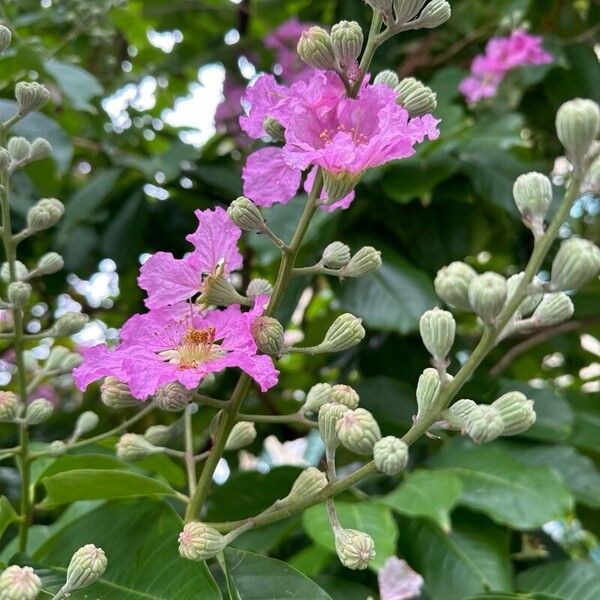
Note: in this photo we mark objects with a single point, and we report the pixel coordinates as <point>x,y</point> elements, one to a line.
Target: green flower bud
<point>406,10</point>
<point>198,541</point>
<point>435,14</point>
<point>116,394</point>
<point>487,295</point>
<point>19,583</point>
<point>50,263</point>
<point>268,335</point>
<point>358,431</point>
<point>533,195</point>
<point>38,411</point>
<point>316,397</point>
<point>86,422</point>
<point>346,331</point>
<point>31,96</point>
<point>258,287</point>
<point>390,455</point>
<point>387,77</point>
<point>218,291</point>
<point>18,293</point>
<point>456,416</point>
<point>344,394</point>
<point>316,49</point>
<point>415,97</point>
<point>5,159</point>
<point>553,309</point>
<point>9,406</point>
<point>577,126</point>
<point>347,41</point>
<point>329,414</point>
<point>452,284</point>
<point>576,262</point>
<point>57,448</point>
<point>437,328</point>
<point>242,434</point>
<point>336,255</point>
<point>5,38</point>
<point>46,213</point>
<point>86,567</point>
<point>274,129</point>
<point>132,446</point>
<point>310,482</point>
<point>40,148</point>
<point>355,549</point>
<point>158,435</point>
<point>21,271</point>
<point>172,397</point>
<point>71,361</point>
<point>531,301</point>
<point>19,149</point>
<point>428,389</point>
<point>366,260</point>
<point>246,215</point>
<point>484,424</point>
<point>339,185</point>
<point>516,411</point>
<point>69,323</point>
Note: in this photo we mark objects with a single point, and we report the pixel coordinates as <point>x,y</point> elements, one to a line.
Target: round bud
<point>456,416</point>
<point>576,262</point>
<point>57,448</point>
<point>274,129</point>
<point>46,213</point>
<point>268,335</point>
<point>198,541</point>
<point>71,361</point>
<point>38,411</point>
<point>390,455</point>
<point>40,148</point>
<point>577,126</point>
<point>339,185</point>
<point>31,96</point>
<point>172,397</point>
<point>50,263</point>
<point>316,397</point>
<point>487,295</point>
<point>437,328</point>
<point>531,301</point>
<point>69,324</point>
<point>435,14</point>
<point>344,394</point>
<point>516,411</point>
<point>87,566</point>
<point>19,149</point>
<point>9,406</point>
<point>19,583</point>
<point>5,38</point>
<point>246,215</point>
<point>4,159</point>
<point>242,434</point>
<point>132,446</point>
<point>310,482</point>
<point>116,394</point>
<point>329,414</point>
<point>158,435</point>
<point>406,10</point>
<point>358,431</point>
<point>347,41</point>
<point>554,309</point>
<point>346,331</point>
<point>258,287</point>
<point>366,260</point>
<point>415,97</point>
<point>428,389</point>
<point>484,424</point>
<point>86,422</point>
<point>316,49</point>
<point>388,78</point>
<point>452,284</point>
<point>21,271</point>
<point>533,194</point>
<point>18,293</point>
<point>355,549</point>
<point>336,255</point>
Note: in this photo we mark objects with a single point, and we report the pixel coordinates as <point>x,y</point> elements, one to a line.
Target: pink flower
<point>397,581</point>
<point>169,280</point>
<point>284,40</point>
<point>180,343</point>
<point>229,111</point>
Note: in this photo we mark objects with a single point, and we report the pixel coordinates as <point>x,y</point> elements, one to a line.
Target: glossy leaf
<point>8,515</point>
<point>567,580</point>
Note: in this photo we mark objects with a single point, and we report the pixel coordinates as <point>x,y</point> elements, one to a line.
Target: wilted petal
<point>397,581</point>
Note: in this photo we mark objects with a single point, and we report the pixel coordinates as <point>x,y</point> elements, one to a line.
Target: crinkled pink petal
<point>259,366</point>
<point>158,328</point>
<point>146,372</point>
<point>343,203</point>
<point>264,99</point>
<point>424,127</point>
<point>98,362</point>
<point>397,581</point>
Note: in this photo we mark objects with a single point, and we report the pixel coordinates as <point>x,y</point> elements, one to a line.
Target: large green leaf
<point>429,494</point>
<point>140,542</point>
<point>45,467</point>
<point>370,517</point>
<point>568,580</point>
<point>77,84</point>
<point>500,596</point>
<point>586,428</point>
<point>8,514</point>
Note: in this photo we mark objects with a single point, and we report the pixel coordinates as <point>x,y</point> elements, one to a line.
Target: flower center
<point>327,135</point>
<point>196,347</point>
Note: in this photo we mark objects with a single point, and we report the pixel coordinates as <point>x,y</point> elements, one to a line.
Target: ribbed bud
<point>116,394</point>
<point>347,41</point>
<point>31,96</point>
<point>5,159</point>
<point>172,397</point>
<point>18,148</point>
<point>336,255</point>
<point>531,301</point>
<point>158,435</point>
<point>20,271</point>
<point>329,414</point>
<point>577,126</point>
<point>553,309</point>
<point>346,331</point>
<point>310,482</point>
<point>316,50</point>
<point>533,195</point>
<point>576,262</point>
<point>274,129</point>
<point>258,287</point>
<point>516,411</point>
<point>57,448</point>
<point>436,13</point>
<point>358,431</point>
<point>198,541</point>
<point>316,397</point>
<point>387,77</point>
<point>18,293</point>
<point>19,583</point>
<point>484,424</point>
<point>487,295</point>
<point>87,566</point>
<point>344,394</point>
<point>38,411</point>
<point>339,185</point>
<point>366,260</point>
<point>40,148</point>
<point>437,328</point>
<point>406,10</point>
<point>9,406</point>
<point>50,263</point>
<point>218,291</point>
<point>452,284</point>
<point>456,416</point>
<point>72,361</point>
<point>46,213</point>
<point>69,324</point>
<point>242,434</point>
<point>132,446</point>
<point>268,335</point>
<point>390,455</point>
<point>355,549</point>
<point>415,97</point>
<point>86,422</point>
<point>246,215</point>
<point>428,389</point>
<point>5,38</point>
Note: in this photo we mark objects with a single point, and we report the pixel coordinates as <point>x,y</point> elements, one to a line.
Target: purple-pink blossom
<point>397,581</point>
<point>229,110</point>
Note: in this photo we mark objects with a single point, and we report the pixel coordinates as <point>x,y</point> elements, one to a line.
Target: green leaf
<point>370,517</point>
<point>510,492</point>
<point>77,84</point>
<point>8,515</point>
<point>513,597</point>
<point>429,494</point>
<point>586,428</point>
<point>311,560</point>
<point>568,580</point>
<point>140,542</point>
<point>254,577</point>
<point>344,589</point>
<point>93,484</point>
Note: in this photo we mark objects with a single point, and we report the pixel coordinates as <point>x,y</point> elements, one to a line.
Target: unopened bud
<point>435,14</point>
<point>336,255</point>
<point>390,455</point>
<point>316,397</point>
<point>132,446</point>
<point>19,293</point>
<point>50,263</point>
<point>9,406</point>
<point>387,77</point>
<point>218,291</point>
<point>198,541</point>
<point>366,260</point>
<point>452,284</point>
<point>516,411</point>
<point>5,38</point>
<point>274,129</point>
<point>268,335</point>
<point>415,97</point>
<point>533,195</point>
<point>428,389</point>
<point>19,149</point>
<point>577,126</point>
<point>87,566</point>
<point>46,213</point>
<point>258,287</point>
<point>345,332</point>
<point>347,40</point>
<point>554,309</point>
<point>456,416</point>
<point>344,394</point>
<point>406,10</point>
<point>310,482</point>
<point>71,361</point>
<point>172,397</point>
<point>116,394</point>
<point>20,271</point>
<point>242,434</point>
<point>86,422</point>
<point>158,435</point>
<point>358,431</point>
<point>57,448</point>
<point>19,583</point>
<point>484,424</point>
<point>316,50</point>
<point>487,295</point>
<point>69,324</point>
<point>437,328</point>
<point>31,96</point>
<point>531,301</point>
<point>40,148</point>
<point>246,215</point>
<point>329,414</point>
<point>576,262</point>
<point>339,185</point>
<point>38,411</point>
<point>5,159</point>
<point>355,549</point>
